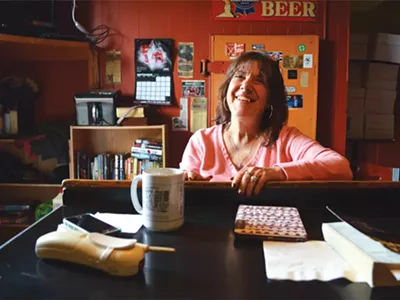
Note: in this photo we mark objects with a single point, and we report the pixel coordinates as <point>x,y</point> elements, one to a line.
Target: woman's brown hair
<point>276,113</point>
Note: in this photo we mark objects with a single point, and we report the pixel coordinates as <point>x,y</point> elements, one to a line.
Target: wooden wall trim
<point>331,129</point>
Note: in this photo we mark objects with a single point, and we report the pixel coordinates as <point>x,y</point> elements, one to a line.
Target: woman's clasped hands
<point>249,181</point>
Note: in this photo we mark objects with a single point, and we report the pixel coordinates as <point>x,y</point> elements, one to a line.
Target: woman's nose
<point>247,83</point>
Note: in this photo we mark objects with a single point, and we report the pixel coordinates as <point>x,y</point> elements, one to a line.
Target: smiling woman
<point>251,144</point>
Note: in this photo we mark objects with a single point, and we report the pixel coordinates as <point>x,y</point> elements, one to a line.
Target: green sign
<point>302,48</point>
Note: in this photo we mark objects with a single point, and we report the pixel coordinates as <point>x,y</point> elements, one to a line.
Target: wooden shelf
<point>21,48</point>
<point>111,139</point>
<point>22,192</point>
<point>17,226</point>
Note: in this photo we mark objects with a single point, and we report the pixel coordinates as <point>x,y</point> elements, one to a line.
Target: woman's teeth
<point>242,98</point>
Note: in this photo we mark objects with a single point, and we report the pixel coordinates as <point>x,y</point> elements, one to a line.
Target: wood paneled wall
<point>190,21</point>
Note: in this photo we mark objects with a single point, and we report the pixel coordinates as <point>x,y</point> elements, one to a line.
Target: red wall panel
<point>190,21</point>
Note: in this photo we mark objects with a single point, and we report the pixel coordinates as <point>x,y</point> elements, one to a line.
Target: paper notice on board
<point>198,113</point>
<point>113,67</point>
<point>185,60</point>
<point>181,123</point>
<point>304,79</point>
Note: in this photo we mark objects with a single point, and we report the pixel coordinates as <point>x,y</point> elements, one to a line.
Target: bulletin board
<point>298,57</point>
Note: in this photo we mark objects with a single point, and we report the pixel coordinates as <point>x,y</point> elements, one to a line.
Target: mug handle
<point>134,197</point>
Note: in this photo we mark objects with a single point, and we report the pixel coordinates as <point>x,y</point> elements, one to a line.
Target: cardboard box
<point>358,46</point>
<point>379,126</point>
<point>356,93</point>
<point>355,127</point>
<point>380,101</point>
<point>137,112</point>
<point>382,76</point>
<point>356,71</point>
<point>355,106</point>
<point>355,101</point>
<point>386,48</point>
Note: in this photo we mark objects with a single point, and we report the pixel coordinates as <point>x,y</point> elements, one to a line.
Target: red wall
<point>190,21</point>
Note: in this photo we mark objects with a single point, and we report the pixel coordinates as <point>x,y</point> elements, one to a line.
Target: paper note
<point>307,61</point>
<point>312,260</point>
<point>181,123</point>
<point>198,113</point>
<point>113,67</point>
<point>193,88</point>
<point>128,223</point>
<point>304,79</point>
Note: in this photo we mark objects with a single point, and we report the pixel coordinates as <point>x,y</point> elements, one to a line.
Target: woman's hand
<point>190,175</point>
<point>251,180</point>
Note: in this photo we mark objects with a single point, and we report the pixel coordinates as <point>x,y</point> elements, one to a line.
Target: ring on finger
<point>248,173</point>
<point>254,178</point>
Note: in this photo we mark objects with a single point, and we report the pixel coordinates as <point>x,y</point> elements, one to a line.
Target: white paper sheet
<point>311,260</point>
<point>127,222</point>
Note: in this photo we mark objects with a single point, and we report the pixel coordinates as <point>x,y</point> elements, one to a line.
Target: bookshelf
<point>32,194</point>
<point>51,64</point>
<point>111,139</point>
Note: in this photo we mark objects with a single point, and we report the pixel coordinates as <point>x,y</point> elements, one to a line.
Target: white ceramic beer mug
<point>162,198</point>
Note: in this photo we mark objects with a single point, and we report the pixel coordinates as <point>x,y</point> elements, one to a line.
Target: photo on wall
<point>293,61</point>
<point>294,101</point>
<point>153,55</point>
<point>153,60</point>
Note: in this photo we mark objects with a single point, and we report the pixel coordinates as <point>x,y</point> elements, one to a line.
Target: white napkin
<point>311,260</point>
<point>127,222</point>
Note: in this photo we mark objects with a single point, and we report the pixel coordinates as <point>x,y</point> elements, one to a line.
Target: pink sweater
<point>300,157</point>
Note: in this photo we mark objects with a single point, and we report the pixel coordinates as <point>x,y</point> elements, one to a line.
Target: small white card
<point>307,61</point>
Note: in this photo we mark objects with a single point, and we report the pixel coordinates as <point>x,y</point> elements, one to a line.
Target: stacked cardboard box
<point>373,90</point>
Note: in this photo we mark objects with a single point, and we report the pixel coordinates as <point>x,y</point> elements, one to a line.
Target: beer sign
<point>260,10</point>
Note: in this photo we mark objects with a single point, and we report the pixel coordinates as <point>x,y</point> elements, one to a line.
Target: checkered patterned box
<point>270,222</point>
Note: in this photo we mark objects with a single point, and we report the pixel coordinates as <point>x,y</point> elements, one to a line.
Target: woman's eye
<point>239,76</point>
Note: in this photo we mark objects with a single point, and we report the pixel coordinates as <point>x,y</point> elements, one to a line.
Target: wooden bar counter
<point>209,263</point>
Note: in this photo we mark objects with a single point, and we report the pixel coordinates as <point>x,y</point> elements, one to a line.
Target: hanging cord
<point>96,35</point>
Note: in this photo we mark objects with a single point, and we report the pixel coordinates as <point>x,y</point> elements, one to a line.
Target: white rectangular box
<point>355,127</point>
<point>379,126</point>
<point>387,48</point>
<point>380,101</point>
<point>382,76</point>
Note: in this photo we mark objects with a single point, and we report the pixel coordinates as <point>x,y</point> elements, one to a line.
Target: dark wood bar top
<point>208,264</point>
<point>192,185</point>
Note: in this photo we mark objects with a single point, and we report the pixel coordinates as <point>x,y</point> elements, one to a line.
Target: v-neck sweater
<point>300,157</point>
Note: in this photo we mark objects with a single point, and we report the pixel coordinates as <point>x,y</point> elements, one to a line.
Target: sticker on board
<point>292,74</point>
<point>294,101</point>
<point>257,47</point>
<point>276,55</point>
<point>293,61</point>
<point>307,61</point>
<point>234,49</point>
<point>290,89</point>
<point>301,48</point>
